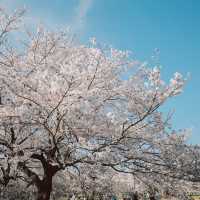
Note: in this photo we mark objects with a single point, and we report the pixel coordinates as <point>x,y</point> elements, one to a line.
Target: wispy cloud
<point>33,17</point>
<point>10,5</point>
<point>81,11</point>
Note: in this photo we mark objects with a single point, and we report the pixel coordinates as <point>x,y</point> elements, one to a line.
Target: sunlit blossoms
<point>66,106</point>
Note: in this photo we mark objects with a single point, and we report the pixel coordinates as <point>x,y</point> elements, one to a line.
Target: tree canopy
<point>67,106</point>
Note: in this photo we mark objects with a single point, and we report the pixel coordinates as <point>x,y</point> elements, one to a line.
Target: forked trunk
<point>135,196</point>
<point>45,189</point>
<point>152,198</point>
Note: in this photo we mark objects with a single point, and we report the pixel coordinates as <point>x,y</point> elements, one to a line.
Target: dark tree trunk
<point>152,198</point>
<point>45,185</point>
<point>135,197</point>
<point>45,189</point>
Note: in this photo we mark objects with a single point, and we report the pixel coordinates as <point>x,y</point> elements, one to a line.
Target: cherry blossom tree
<point>65,106</point>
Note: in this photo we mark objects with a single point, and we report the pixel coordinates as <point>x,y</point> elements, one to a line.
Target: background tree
<point>65,106</point>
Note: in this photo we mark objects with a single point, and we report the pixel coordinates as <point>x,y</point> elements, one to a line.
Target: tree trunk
<point>135,196</point>
<point>44,186</point>
<point>152,198</point>
<point>45,189</point>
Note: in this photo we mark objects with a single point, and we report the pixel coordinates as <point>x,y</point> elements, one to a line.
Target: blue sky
<point>172,26</point>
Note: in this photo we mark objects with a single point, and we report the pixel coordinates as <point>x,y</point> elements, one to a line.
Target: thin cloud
<point>81,12</point>
<point>32,18</point>
<point>10,5</point>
